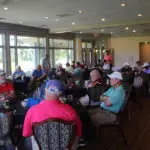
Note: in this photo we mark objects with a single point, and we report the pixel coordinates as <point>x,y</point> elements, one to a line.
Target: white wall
<point>126,48</point>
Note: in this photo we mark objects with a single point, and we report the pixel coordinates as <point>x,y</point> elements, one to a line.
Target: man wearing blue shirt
<point>112,101</point>
<point>38,73</point>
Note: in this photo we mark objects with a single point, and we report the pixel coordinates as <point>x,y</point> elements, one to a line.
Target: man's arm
<point>106,100</point>
<point>27,127</point>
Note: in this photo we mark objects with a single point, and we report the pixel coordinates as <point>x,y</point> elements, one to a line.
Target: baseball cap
<point>126,64</point>
<point>115,74</point>
<point>2,72</point>
<point>145,64</point>
<point>54,86</point>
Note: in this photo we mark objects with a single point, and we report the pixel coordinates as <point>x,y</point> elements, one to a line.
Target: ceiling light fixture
<point>102,30</point>
<point>126,28</point>
<point>80,11</point>
<point>81,32</point>
<point>111,32</point>
<point>139,15</point>
<point>145,42</point>
<point>123,5</point>
<point>73,23</point>
<point>46,17</point>
<point>134,30</point>
<point>103,19</point>
<point>20,22</point>
<point>5,8</point>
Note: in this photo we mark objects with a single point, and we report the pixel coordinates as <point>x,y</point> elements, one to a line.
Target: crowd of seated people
<point>77,78</point>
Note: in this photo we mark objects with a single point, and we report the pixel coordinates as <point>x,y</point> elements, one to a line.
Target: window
<point>26,59</point>
<point>61,51</point>
<point>63,56</point>
<point>26,52</point>
<point>1,40</point>
<point>60,43</point>
<point>1,51</point>
<point>1,58</point>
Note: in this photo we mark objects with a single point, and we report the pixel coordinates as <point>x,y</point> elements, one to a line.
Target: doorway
<point>144,52</point>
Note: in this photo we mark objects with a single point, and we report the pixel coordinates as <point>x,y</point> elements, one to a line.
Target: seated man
<point>112,101</point>
<point>96,80</point>
<point>146,68</point>
<point>77,73</point>
<point>51,107</point>
<point>38,73</point>
<point>6,88</point>
<point>18,74</point>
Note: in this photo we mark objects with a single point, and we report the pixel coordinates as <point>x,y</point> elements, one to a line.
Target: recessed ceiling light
<point>81,32</point>
<point>126,28</point>
<point>102,30</point>
<point>123,5</point>
<point>73,23</point>
<point>5,8</point>
<point>139,15</point>
<point>103,19</point>
<point>134,30</point>
<point>80,11</point>
<point>46,17</point>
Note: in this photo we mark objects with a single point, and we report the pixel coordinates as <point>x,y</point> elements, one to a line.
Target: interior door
<point>144,52</point>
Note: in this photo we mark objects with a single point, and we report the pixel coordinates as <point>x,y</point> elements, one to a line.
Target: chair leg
<point>122,134</point>
<point>99,133</point>
<point>129,114</point>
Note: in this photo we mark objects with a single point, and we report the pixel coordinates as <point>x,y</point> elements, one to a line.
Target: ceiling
<point>61,14</point>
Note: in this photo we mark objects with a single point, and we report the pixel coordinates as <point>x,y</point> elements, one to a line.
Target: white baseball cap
<point>126,64</point>
<point>146,64</point>
<point>116,75</point>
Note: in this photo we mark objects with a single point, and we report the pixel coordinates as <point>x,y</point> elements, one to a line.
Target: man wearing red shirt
<point>51,107</point>
<point>6,88</point>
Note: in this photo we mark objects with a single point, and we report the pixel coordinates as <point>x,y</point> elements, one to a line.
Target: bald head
<point>95,75</point>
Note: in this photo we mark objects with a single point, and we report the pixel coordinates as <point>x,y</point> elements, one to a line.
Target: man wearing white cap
<point>146,68</point>
<point>112,101</point>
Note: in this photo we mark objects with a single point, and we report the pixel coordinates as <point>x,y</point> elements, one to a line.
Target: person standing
<point>46,64</point>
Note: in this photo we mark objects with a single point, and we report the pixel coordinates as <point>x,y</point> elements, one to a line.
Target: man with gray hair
<point>112,101</point>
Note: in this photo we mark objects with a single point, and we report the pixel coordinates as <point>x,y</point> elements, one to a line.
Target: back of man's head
<point>53,90</point>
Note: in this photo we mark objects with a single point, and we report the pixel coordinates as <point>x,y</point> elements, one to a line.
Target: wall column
<point>7,60</point>
<point>78,49</point>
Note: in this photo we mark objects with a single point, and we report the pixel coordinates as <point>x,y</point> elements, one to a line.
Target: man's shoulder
<point>33,109</point>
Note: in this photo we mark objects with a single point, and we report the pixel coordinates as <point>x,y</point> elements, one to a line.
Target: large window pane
<point>1,41</point>
<point>60,43</point>
<point>61,56</point>
<point>70,43</point>
<point>13,58</point>
<point>1,58</point>
<point>27,41</point>
<point>27,59</point>
<point>41,55</point>
<point>42,42</point>
<point>51,43</point>
<point>70,56</point>
<point>12,40</point>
